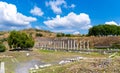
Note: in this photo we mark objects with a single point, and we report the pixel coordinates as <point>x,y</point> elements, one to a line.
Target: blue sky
<point>67,16</point>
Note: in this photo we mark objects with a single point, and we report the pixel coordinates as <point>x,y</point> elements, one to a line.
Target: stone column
<point>88,45</point>
<point>56,47</point>
<point>2,68</point>
<point>63,45</point>
<point>74,45</point>
<point>45,44</point>
<point>71,44</point>
<point>77,46</point>
<point>48,45</point>
<point>54,44</point>
<point>58,44</point>
<point>83,44</point>
<point>80,44</point>
<point>51,44</point>
<point>68,44</point>
<point>41,45</point>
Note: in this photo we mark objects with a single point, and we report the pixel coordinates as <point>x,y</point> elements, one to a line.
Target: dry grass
<point>86,66</point>
<point>14,57</point>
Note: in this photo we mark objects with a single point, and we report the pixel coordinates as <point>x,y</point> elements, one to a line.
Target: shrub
<point>60,35</point>
<point>39,35</point>
<point>116,46</point>
<point>2,48</point>
<point>68,35</point>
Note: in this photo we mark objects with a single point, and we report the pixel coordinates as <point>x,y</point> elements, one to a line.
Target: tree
<point>104,30</point>
<point>68,35</point>
<point>39,34</point>
<point>60,35</point>
<point>20,40</point>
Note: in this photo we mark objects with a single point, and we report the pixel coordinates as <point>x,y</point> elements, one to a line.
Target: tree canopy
<point>20,40</point>
<point>60,35</point>
<point>39,34</point>
<point>104,30</point>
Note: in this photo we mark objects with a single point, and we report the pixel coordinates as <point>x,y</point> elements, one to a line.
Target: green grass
<point>50,55</point>
<point>46,51</point>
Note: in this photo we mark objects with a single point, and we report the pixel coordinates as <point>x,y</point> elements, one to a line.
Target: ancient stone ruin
<point>61,44</point>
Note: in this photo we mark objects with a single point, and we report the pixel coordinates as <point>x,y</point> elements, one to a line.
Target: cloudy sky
<point>67,16</point>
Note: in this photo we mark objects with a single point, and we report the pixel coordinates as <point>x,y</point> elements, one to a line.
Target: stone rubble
<point>70,60</point>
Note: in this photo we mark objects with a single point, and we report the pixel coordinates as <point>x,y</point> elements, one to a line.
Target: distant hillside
<point>33,32</point>
<point>3,34</point>
<point>39,33</point>
<point>94,41</point>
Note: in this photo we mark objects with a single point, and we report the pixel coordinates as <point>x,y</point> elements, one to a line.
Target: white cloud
<point>10,18</point>
<point>56,5</point>
<point>5,27</point>
<point>71,21</point>
<point>63,30</point>
<point>72,6</point>
<point>36,11</point>
<point>76,32</point>
<point>111,23</point>
<point>37,27</point>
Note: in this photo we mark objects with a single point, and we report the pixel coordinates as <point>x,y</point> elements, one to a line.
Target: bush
<point>115,46</point>
<point>20,40</point>
<point>39,35</point>
<point>2,48</point>
<point>68,35</point>
<point>60,35</point>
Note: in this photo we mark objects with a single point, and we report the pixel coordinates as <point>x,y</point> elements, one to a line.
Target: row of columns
<point>69,44</point>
